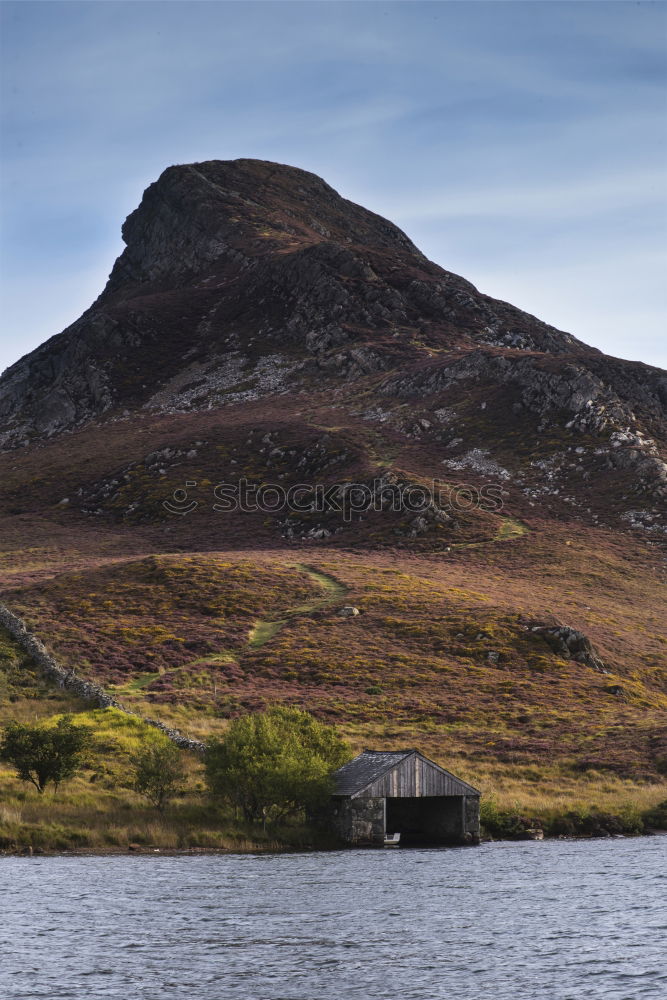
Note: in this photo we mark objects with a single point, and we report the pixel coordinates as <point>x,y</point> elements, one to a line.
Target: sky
<point>522,145</point>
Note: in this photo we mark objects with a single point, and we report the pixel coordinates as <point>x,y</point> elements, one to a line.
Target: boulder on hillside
<point>571,644</point>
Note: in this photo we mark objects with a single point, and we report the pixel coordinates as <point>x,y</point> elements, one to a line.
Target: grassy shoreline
<point>85,816</point>
<point>278,848</point>
<point>100,811</point>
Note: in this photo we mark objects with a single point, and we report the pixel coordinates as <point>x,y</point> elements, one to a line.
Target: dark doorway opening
<point>426,820</point>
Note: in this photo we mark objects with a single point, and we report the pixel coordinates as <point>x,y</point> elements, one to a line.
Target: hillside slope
<point>503,545</point>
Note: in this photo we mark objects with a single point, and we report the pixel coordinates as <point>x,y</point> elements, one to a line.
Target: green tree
<point>275,764</point>
<point>159,772</point>
<point>46,754</point>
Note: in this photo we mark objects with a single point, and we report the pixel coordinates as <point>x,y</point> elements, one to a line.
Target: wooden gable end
<point>413,777</point>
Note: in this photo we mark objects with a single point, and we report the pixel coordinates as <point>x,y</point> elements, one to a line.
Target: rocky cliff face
<point>245,280</point>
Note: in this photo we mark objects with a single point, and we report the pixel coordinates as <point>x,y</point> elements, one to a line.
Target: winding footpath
<point>264,629</point>
<point>70,681</point>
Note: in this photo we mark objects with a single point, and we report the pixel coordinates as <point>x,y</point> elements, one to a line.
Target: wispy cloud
<point>579,198</point>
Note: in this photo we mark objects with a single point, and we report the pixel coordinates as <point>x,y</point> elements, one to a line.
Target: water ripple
<point>556,920</point>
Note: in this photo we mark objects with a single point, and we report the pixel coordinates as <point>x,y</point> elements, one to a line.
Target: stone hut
<point>385,792</point>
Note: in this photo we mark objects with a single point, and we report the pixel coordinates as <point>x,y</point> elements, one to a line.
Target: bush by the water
<point>505,824</point>
<point>656,818</point>
<point>275,764</point>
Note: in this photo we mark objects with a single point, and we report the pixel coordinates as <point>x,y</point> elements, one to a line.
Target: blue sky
<point>522,145</point>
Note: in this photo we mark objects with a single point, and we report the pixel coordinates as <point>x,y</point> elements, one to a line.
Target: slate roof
<point>365,768</point>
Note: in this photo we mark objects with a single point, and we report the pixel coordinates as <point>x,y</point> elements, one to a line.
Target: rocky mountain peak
<point>197,214</point>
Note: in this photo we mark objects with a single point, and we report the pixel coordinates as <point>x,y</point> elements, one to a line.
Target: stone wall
<point>359,822</point>
<point>472,817</point>
<point>70,681</point>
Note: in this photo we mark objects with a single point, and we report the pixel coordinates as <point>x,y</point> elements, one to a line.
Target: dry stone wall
<point>78,686</point>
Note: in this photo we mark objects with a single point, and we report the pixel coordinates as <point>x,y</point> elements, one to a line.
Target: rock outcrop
<point>571,644</point>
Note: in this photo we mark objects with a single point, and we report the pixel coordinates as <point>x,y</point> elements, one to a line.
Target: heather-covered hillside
<point>259,329</point>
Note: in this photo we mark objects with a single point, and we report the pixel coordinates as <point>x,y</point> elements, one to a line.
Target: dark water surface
<point>562,920</point>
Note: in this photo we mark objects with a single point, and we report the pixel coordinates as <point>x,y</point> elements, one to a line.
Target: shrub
<point>158,771</point>
<point>656,818</point>
<point>594,823</point>
<point>502,823</point>
<point>44,755</point>
<point>275,764</point>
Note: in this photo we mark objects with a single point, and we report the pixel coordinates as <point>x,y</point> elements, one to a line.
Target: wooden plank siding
<point>413,777</point>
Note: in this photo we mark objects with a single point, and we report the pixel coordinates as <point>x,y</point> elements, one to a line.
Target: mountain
<point>248,280</point>
<point>493,491</point>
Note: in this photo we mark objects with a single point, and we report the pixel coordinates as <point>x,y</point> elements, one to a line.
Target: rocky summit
<point>259,331</point>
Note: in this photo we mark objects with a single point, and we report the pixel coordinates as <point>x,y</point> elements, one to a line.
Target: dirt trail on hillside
<point>265,629</point>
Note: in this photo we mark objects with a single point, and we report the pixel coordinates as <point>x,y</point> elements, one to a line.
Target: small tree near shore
<point>46,755</point>
<point>275,764</point>
<point>159,772</point>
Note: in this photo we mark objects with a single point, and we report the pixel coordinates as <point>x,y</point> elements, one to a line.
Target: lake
<point>554,920</point>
